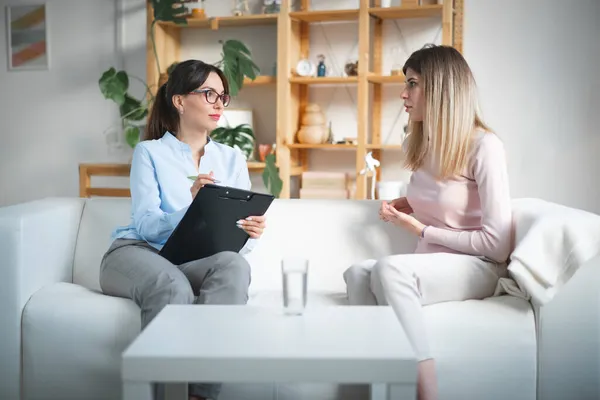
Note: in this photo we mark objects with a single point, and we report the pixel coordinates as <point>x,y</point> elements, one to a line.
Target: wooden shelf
<point>223,22</point>
<point>256,165</point>
<point>384,147</point>
<point>381,79</point>
<point>407,11</point>
<point>325,15</point>
<point>297,170</point>
<point>322,146</point>
<point>325,80</point>
<point>260,80</point>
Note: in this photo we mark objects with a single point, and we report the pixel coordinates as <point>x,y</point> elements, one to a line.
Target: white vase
<point>386,3</point>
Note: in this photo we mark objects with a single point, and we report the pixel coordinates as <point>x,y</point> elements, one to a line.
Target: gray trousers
<point>133,269</point>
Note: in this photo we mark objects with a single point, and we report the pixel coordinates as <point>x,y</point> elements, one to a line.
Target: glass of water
<point>294,273</point>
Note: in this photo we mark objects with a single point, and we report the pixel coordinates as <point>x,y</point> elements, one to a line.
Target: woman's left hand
<point>254,226</point>
<point>401,219</point>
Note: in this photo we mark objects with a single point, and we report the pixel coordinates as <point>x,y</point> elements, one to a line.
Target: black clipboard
<point>209,225</point>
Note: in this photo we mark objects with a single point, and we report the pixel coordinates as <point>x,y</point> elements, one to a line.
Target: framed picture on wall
<point>27,35</point>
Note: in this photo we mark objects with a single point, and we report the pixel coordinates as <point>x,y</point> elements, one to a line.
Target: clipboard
<point>209,225</point>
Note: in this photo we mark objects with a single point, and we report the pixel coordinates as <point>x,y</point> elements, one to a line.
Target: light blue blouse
<point>160,188</point>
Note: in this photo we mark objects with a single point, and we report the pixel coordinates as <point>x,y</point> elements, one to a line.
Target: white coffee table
<point>214,343</point>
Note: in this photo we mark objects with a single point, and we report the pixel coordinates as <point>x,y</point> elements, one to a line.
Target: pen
<point>193,178</point>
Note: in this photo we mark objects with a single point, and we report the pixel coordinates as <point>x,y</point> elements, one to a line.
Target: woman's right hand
<point>400,204</point>
<point>201,180</point>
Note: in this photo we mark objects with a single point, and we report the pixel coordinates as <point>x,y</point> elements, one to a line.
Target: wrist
<point>422,231</point>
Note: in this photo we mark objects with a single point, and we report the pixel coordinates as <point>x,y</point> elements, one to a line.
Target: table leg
<point>176,391</point>
<point>137,391</point>
<point>380,391</point>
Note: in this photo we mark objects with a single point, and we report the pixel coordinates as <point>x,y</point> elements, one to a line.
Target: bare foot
<point>426,380</point>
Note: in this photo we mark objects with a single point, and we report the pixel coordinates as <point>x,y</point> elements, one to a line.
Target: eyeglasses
<point>212,96</point>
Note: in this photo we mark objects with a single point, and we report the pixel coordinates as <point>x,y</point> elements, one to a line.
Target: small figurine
<point>271,6</point>
<point>321,69</point>
<point>371,164</point>
<point>351,69</point>
<point>330,134</point>
<point>240,7</point>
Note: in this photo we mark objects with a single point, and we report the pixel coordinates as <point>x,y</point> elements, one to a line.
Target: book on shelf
<point>324,185</point>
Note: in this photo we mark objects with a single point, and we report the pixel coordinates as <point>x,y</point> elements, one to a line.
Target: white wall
<point>537,63</point>
<point>538,82</point>
<point>50,121</point>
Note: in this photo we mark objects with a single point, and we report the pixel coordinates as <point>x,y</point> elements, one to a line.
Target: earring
<point>181,111</point>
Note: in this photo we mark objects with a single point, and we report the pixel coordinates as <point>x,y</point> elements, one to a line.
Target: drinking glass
<point>294,272</point>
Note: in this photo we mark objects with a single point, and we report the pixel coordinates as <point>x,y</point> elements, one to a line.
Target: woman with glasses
<point>177,145</point>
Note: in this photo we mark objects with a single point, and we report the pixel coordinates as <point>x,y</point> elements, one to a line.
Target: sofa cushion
<point>72,339</point>
<point>100,216</point>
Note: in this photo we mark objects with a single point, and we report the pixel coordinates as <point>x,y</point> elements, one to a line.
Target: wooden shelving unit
<point>293,30</point>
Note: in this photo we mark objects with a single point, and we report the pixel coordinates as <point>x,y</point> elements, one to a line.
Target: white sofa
<point>61,338</point>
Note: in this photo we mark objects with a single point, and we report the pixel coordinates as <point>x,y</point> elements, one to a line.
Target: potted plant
<point>240,137</point>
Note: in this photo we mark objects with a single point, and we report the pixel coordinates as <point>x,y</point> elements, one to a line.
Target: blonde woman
<point>457,204</point>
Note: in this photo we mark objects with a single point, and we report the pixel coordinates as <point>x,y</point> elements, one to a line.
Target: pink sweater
<point>470,214</point>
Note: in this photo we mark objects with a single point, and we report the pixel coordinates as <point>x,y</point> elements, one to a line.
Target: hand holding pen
<point>200,181</point>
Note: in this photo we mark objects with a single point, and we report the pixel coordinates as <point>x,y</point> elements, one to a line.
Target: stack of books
<point>324,185</point>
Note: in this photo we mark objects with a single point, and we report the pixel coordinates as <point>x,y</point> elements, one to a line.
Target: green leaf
<point>237,63</point>
<point>232,73</point>
<point>235,46</point>
<point>170,11</point>
<point>271,177</point>
<point>132,109</point>
<point>132,135</point>
<point>240,137</point>
<point>114,85</point>
<point>248,69</point>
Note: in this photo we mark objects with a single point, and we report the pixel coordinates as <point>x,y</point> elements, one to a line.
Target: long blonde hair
<point>451,111</point>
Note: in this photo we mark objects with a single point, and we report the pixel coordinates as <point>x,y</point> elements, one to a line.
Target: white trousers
<point>407,282</point>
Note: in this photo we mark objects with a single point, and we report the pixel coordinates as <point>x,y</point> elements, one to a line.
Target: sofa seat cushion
<point>484,349</point>
<point>73,338</point>
<point>72,342</point>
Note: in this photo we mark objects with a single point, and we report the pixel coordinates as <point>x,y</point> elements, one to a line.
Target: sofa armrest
<point>569,338</point>
<point>37,245</point>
